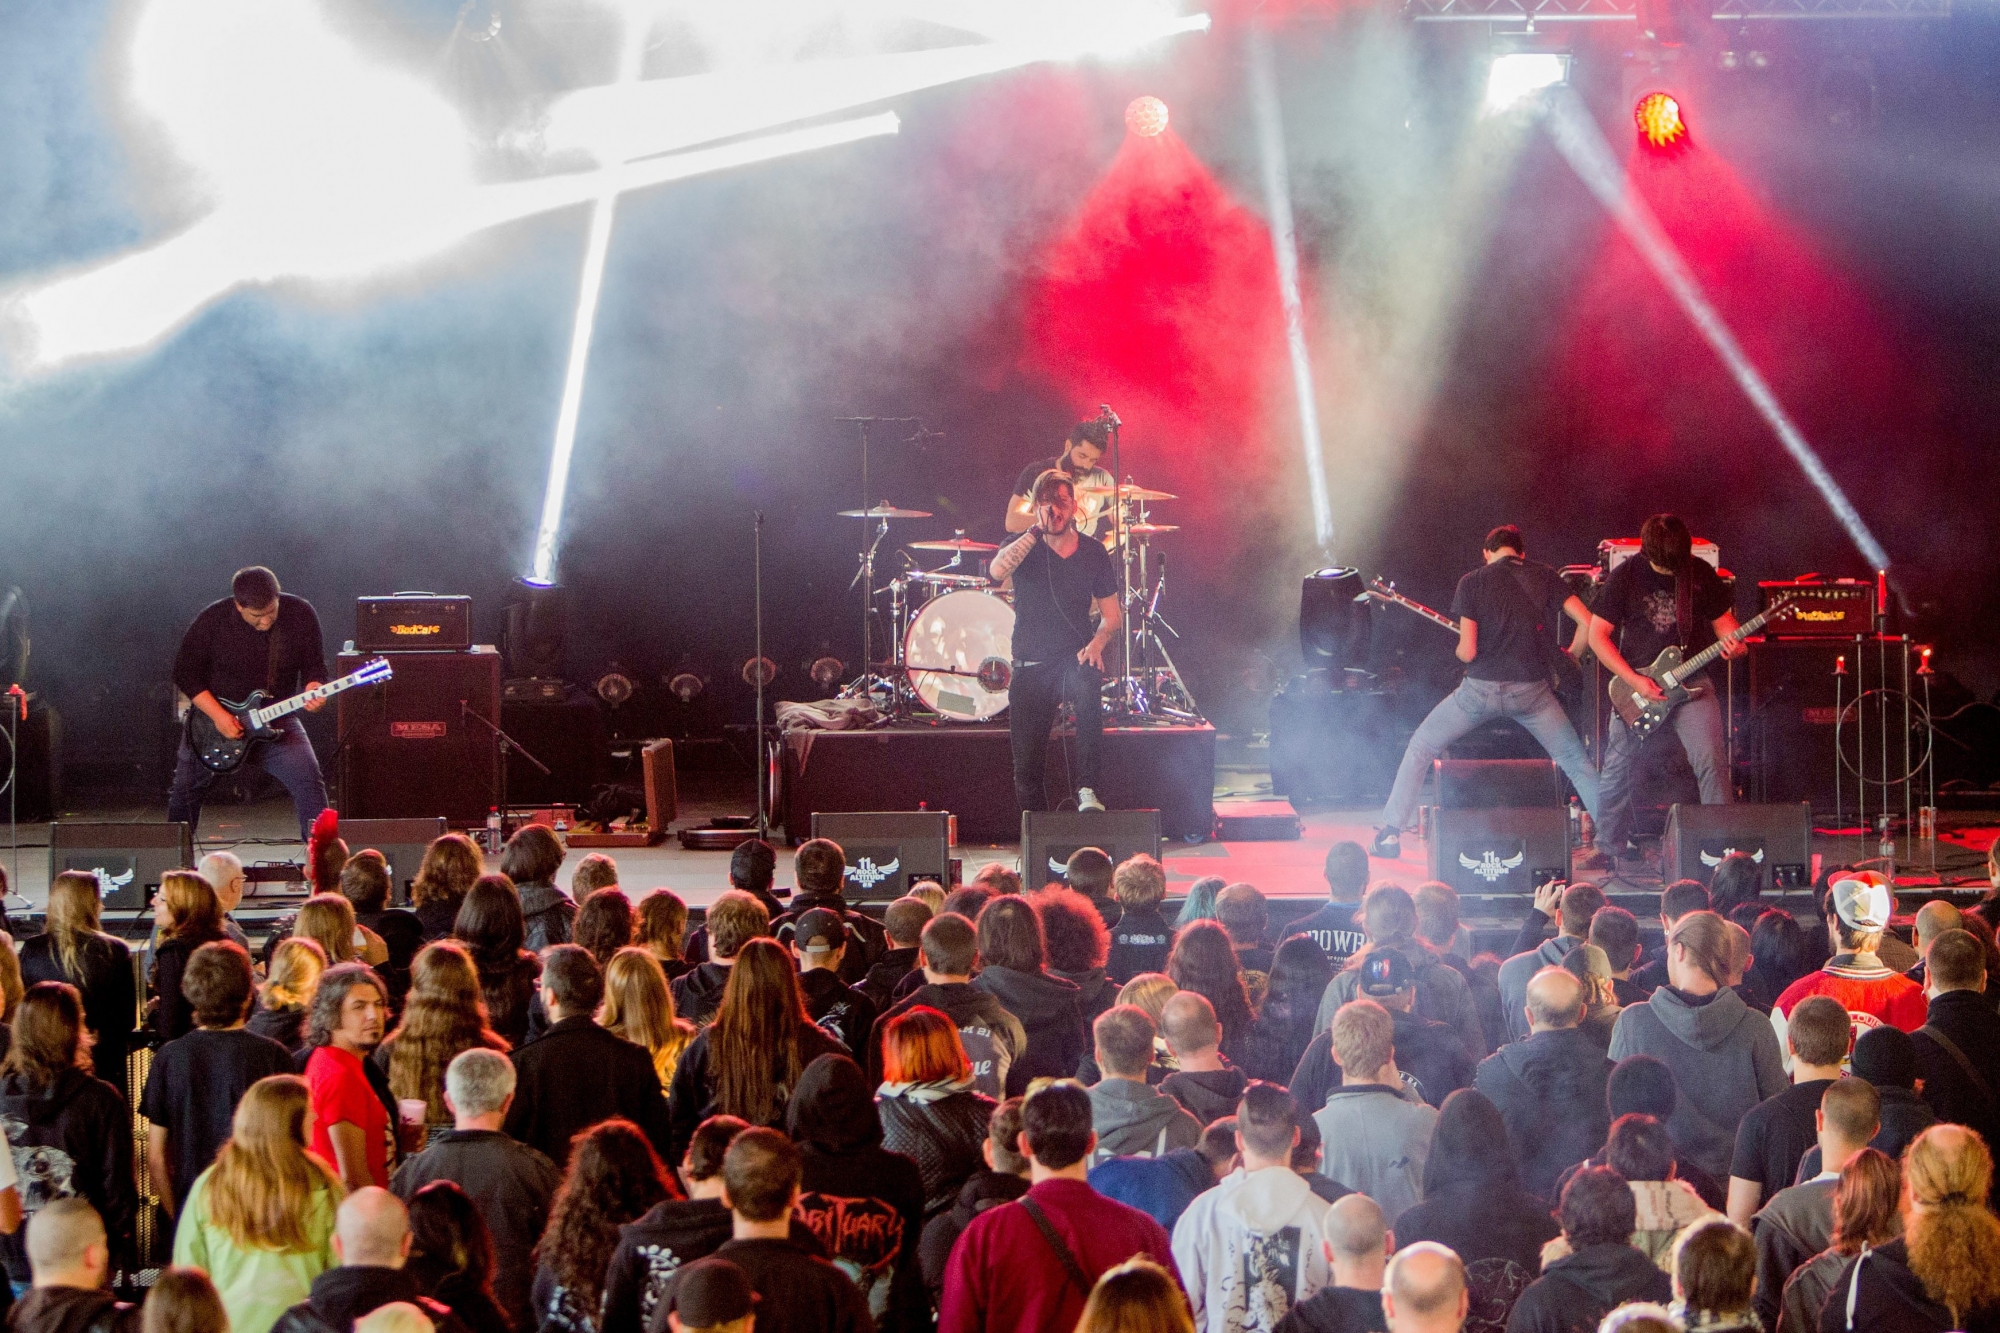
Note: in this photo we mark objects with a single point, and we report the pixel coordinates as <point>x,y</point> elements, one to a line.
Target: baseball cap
<point>1386,972</point>
<point>1862,900</point>
<point>710,1291</point>
<point>819,930</point>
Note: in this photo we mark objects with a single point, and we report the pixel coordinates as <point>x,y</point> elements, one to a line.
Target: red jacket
<point>1004,1277</point>
<point>1872,996</point>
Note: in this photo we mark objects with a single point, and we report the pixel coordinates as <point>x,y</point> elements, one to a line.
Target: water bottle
<point>493,829</point>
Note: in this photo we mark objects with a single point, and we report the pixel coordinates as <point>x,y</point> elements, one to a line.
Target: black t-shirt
<point>1334,929</point>
<point>1775,1134</point>
<point>1517,605</point>
<point>1641,604</point>
<point>221,652</point>
<point>1052,600</point>
<point>1337,1310</point>
<point>192,1091</point>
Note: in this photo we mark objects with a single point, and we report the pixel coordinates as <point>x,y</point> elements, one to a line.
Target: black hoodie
<point>72,1137</point>
<point>1095,991</point>
<point>1139,943</point>
<point>867,939</point>
<point>839,1009</point>
<point>72,1310</point>
<point>1578,1290</point>
<point>864,1203</point>
<point>1048,1009</point>
<point>880,983</point>
<point>1891,1299</point>
<point>1208,1094</point>
<point>985,1189</point>
<point>1550,1091</point>
<point>698,994</point>
<point>650,1250</point>
<point>1473,1202</point>
<point>993,1038</point>
<point>342,1295</point>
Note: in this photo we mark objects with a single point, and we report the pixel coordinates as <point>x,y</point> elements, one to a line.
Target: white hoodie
<point>1250,1249</point>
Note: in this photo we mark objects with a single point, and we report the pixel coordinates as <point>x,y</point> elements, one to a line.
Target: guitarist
<point>257,638</point>
<point>1663,597</point>
<point>1507,612</point>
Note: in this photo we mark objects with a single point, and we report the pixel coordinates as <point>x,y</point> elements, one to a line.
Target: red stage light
<point>1146,116</point>
<point>1659,119</point>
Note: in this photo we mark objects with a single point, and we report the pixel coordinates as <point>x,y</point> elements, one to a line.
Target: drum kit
<point>952,641</point>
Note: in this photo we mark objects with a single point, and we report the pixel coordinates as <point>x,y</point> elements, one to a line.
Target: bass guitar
<point>1670,672</point>
<point>222,754</point>
<point>1566,671</point>
<point>1384,591</point>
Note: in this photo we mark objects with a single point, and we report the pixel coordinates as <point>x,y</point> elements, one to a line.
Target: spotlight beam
<point>1577,137</point>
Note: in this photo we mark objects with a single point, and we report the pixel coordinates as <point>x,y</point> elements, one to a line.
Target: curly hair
<point>1073,931</point>
<point>1953,1237</point>
<point>1203,960</point>
<point>451,864</point>
<point>334,984</point>
<point>443,1015</point>
<point>614,1177</point>
<point>603,924</point>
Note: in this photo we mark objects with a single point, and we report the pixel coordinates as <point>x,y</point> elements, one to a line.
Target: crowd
<point>515,1108</point>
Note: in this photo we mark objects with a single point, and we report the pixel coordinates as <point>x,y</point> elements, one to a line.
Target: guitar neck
<point>1714,650</point>
<point>1418,608</point>
<point>285,707</point>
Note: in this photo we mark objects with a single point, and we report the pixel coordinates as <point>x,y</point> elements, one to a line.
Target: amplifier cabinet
<point>1050,837</point>
<point>887,851</point>
<point>1778,837</point>
<point>128,859</point>
<point>411,748</point>
<point>1837,610</point>
<point>412,622</point>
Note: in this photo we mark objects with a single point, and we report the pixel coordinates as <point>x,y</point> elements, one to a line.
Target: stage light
<point>1658,116</point>
<point>756,667</point>
<point>1518,75</point>
<point>614,687</point>
<point>826,670</point>
<point>1146,116</point>
<point>686,686</point>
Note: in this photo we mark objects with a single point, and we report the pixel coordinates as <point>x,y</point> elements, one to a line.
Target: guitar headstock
<point>373,671</point>
<point>1383,591</point>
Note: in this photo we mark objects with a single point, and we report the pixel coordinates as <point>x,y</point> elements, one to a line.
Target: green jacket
<point>256,1285</point>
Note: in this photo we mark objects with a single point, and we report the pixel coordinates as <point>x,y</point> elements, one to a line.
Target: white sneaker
<point>1087,802</point>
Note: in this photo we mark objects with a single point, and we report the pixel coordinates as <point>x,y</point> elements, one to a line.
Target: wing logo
<point>1058,868</point>
<point>108,883</point>
<point>867,874</point>
<point>1491,867</point>
<point>1713,861</point>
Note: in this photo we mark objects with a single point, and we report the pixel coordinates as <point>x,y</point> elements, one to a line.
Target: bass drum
<point>959,650</point>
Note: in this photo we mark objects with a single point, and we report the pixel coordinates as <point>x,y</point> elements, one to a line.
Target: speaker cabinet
<point>1333,745</point>
<point>1509,850</point>
<point>411,747</point>
<point>402,841</point>
<point>128,859</point>
<point>1794,697</point>
<point>1778,836</point>
<point>566,733</point>
<point>890,850</point>
<point>1050,837</point>
<point>1494,784</point>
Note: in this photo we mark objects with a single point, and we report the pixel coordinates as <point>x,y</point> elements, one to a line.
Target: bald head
<point>1933,920</point>
<point>1555,1000</point>
<point>372,1230</point>
<point>66,1246</point>
<point>224,873</point>
<point>395,1317</point>
<point>1187,1021</point>
<point>1355,1227</point>
<point>1425,1290</point>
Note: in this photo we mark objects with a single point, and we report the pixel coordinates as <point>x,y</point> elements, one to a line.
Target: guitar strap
<point>271,659</point>
<point>1538,616</point>
<point>1684,602</point>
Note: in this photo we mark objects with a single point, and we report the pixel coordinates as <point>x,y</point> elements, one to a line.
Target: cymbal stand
<point>868,682</point>
<point>1152,682</point>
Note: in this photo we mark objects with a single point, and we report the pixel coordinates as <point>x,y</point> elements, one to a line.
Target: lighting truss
<point>1614,11</point>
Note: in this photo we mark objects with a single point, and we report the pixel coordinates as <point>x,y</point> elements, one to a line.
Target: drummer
<point>1078,461</point>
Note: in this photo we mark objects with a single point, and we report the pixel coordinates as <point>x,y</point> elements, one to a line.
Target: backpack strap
<point>1071,1267</point>
<point>1951,1048</point>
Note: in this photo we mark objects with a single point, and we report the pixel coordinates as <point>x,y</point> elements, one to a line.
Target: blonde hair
<point>1364,1039</point>
<point>929,894</point>
<point>295,967</point>
<point>1138,1296</point>
<point>328,918</point>
<point>12,988</point>
<point>1953,1237</point>
<point>1150,991</point>
<point>75,916</point>
<point>191,905</point>
<point>1139,882</point>
<point>264,1179</point>
<point>639,1007</point>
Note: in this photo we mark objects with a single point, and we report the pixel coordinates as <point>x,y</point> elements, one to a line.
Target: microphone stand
<point>763,770</point>
<point>502,745</point>
<point>1111,421</point>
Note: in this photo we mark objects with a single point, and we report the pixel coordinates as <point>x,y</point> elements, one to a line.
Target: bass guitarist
<point>1662,597</point>
<point>257,638</point>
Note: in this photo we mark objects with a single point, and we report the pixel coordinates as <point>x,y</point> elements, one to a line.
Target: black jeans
<point>1032,699</point>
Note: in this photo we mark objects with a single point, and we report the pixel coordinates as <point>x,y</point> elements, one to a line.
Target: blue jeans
<point>290,760</point>
<point>1473,704</point>
<point>1698,724</point>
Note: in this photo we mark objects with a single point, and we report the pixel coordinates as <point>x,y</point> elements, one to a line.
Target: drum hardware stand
<point>869,682</point>
<point>502,744</point>
<point>1877,690</point>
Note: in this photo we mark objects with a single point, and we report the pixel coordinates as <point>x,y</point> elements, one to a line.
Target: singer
<point>1078,461</point>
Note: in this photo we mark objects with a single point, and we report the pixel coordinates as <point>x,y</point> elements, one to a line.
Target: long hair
<point>444,1015</point>
<point>754,1041</point>
<point>1469,1146</point>
<point>264,1178</point>
<point>1138,1296</point>
<point>193,910</point>
<point>13,989</point>
<point>662,923</point>
<point>451,864</point>
<point>328,919</point>
<point>449,1236</point>
<point>1203,960</point>
<point>491,924</point>
<point>639,1006</point>
<point>1708,942</point>
<point>48,1032</point>
<point>1953,1237</point>
<point>296,965</point>
<point>75,918</point>
<point>1199,905</point>
<point>603,924</point>
<point>331,994</point>
<point>613,1178</point>
<point>1865,1202</point>
<point>1300,973</point>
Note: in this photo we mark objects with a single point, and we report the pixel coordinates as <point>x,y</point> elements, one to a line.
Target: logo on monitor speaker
<point>1714,859</point>
<point>1491,867</point>
<point>867,874</point>
<point>107,882</point>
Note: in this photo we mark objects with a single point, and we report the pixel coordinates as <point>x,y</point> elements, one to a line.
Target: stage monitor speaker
<point>410,747</point>
<point>566,733</point>
<point>887,851</point>
<point>403,841</point>
<point>1509,850</point>
<point>1333,745</point>
<point>1049,838</point>
<point>128,859</point>
<point>1497,784</point>
<point>1779,837</point>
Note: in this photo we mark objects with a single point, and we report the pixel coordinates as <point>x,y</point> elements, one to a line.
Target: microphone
<point>1108,417</point>
<point>924,435</point>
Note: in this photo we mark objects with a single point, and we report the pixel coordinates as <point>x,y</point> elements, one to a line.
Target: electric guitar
<point>222,754</point>
<point>1567,671</point>
<point>1669,671</point>
<point>1384,591</point>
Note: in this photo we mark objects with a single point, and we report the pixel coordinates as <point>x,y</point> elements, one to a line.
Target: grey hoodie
<point>1376,1142</point>
<point>1137,1120</point>
<point>1518,971</point>
<point>1725,1059</point>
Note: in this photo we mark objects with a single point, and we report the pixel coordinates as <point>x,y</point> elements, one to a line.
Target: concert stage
<point>968,770</point>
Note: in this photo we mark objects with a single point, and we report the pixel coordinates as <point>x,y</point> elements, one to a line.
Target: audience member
<point>597,870</point>
<point>1855,977</point>
<point>1150,991</point>
<point>748,1061</point>
<point>290,983</point>
<point>1284,1028</point>
<point>372,1238</point>
<point>1443,993</point>
<point>1203,961</point>
<point>604,921</point>
<point>1088,871</point>
<point>1357,1244</point>
<point>1715,1272</point>
<point>1473,1200</point>
<point>992,1037</point>
<point>753,869</point>
<point>183,1300</point>
<point>1128,1115</point>
<point>451,865</point>
<point>819,940</point>
<point>1642,1085</point>
<point>1003,1179</point>
<point>927,1105</point>
<point>819,868</point>
<point>1199,904</point>
<point>1162,1187</point>
<point>673,1233</point>
<point>1136,1295</point>
<point>493,930</point>
<point>1887,1059</point>
<point>444,1014</point>
<point>196,1081</point>
<point>1307,1159</point>
<point>353,1109</point>
<point>1141,938</point>
<point>1333,927</point>
<point>1737,879</point>
<point>365,883</point>
<point>993,881</point>
<point>1573,906</point>
<point>1374,1140</point>
<point>1865,1217</point>
<point>1550,1086</point>
<point>660,927</point>
<point>1431,1053</point>
<point>188,915</point>
<point>1437,920</point>
<point>712,1296</point>
<point>451,1256</point>
<point>70,1132</point>
<point>328,919</point>
<point>551,1103</point>
<point>260,1222</point>
<point>1246,916</point>
<point>1614,930</point>
<point>532,858</point>
<point>1676,901</point>
<point>1205,1083</point>
<point>1424,1290</point>
<point>614,1177</point>
<point>1797,1223</point>
<point>75,948</point>
<point>733,920</point>
<point>1251,1248</point>
<point>1775,1133</point>
<point>1012,951</point>
<point>639,1006</point>
<point>509,1183</point>
<point>1724,1056</point>
<point>1640,1149</point>
<point>70,1256</point>
<point>1602,1269</point>
<point>1592,966</point>
<point>1782,951</point>
<point>1078,944</point>
<point>903,921</point>
<point>1958,1047</point>
<point>1031,1265</point>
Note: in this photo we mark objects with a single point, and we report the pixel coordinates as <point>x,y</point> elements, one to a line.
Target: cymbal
<point>1126,492</point>
<point>954,544</point>
<point>1148,529</point>
<point>885,511</point>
